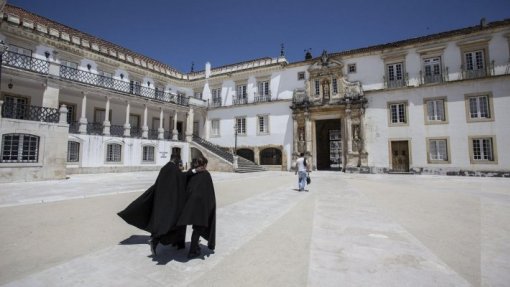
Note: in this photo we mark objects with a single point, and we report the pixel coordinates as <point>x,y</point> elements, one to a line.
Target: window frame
<point>352,71</point>
<point>213,134</point>
<point>106,161</point>
<point>428,121</point>
<point>68,162</point>
<point>406,114</point>
<point>490,107</point>
<point>148,161</point>
<point>301,76</point>
<point>20,150</point>
<point>494,153</point>
<point>265,118</point>
<point>430,160</point>
<point>240,131</point>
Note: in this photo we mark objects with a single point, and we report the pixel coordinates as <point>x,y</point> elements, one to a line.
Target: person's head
<point>175,158</point>
<point>199,162</point>
<point>302,154</point>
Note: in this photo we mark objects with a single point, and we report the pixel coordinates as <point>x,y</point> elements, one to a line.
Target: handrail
<point>214,149</point>
<point>13,59</point>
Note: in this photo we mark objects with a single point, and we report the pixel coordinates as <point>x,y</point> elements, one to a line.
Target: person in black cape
<point>158,209</point>
<point>200,209</point>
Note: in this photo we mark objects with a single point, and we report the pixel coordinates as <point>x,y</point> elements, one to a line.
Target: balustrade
<point>30,113</point>
<point>25,62</point>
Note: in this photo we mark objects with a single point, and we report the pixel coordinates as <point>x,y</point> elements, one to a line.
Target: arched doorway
<point>195,153</point>
<point>246,153</point>
<point>271,156</point>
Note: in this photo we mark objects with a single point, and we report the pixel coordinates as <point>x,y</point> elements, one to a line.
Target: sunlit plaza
<point>346,229</point>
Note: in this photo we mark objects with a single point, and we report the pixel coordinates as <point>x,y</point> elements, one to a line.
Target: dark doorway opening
<point>328,144</point>
<point>246,153</point>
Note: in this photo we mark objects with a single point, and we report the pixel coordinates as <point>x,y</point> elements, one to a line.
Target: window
<point>479,107</point>
<point>99,115</point>
<point>241,91</point>
<point>474,64</point>
<point>134,121</point>
<point>438,151</point>
<point>351,68</point>
<point>197,95</point>
<point>432,68</point>
<point>435,110</point>
<point>15,107</point>
<point>395,74</point>
<point>215,128</point>
<point>20,148</point>
<point>300,76</point>
<point>73,151</point>
<point>482,149</point>
<point>241,126</point>
<point>317,87</point>
<point>263,124</point>
<point>148,154</point>
<point>335,87</point>
<point>216,97</point>
<point>113,153</point>
<point>263,88</point>
<point>398,113</point>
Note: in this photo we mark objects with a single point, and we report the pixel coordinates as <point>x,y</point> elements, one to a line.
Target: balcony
<point>118,131</point>
<point>121,86</point>
<point>262,98</point>
<point>24,62</point>
<point>396,83</point>
<point>240,100</point>
<point>215,104</point>
<point>435,78</point>
<point>30,113</point>
<point>477,72</point>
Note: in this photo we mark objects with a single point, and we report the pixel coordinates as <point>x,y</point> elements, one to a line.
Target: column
<point>362,130</point>
<point>83,119</point>
<point>145,128</point>
<point>348,129</point>
<point>308,132</point>
<point>207,127</point>
<point>296,135</point>
<point>1,103</point>
<point>106,123</point>
<point>51,94</point>
<point>161,130</point>
<point>175,132</point>
<point>127,125</point>
<point>189,125</point>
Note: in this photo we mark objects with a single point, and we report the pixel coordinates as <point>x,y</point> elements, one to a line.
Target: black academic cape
<point>157,209</point>
<point>200,208</point>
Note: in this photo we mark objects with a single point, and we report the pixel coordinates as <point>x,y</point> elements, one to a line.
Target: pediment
<point>325,62</point>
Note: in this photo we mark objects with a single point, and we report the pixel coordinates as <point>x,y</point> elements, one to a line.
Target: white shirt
<point>300,163</point>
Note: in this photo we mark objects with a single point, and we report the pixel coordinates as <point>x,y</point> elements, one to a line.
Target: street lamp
<point>235,139</point>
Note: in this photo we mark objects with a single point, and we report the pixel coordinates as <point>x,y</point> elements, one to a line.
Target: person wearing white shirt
<point>301,170</point>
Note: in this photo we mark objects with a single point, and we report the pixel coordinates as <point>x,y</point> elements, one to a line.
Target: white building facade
<point>72,103</point>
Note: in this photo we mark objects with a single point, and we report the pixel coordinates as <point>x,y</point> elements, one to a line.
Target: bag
<point>308,179</point>
<point>304,162</point>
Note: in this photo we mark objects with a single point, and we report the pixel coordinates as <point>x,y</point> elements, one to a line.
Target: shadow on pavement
<point>135,239</point>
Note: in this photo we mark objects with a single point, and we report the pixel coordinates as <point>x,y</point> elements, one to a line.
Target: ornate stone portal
<point>328,118</point>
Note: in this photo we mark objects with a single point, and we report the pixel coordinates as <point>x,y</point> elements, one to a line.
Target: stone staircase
<point>243,165</point>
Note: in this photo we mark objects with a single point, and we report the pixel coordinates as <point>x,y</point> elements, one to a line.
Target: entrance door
<point>400,156</point>
<point>328,144</point>
<point>179,130</point>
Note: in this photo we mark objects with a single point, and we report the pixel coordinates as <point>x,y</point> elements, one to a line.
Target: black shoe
<point>180,245</point>
<point>194,254</point>
<point>153,244</point>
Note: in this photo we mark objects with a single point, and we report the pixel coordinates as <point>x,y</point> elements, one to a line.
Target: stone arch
<point>246,153</point>
<point>271,156</point>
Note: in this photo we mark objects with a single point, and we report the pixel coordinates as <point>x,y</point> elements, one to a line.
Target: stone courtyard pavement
<point>348,230</point>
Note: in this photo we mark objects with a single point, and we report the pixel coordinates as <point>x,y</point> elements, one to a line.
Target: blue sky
<point>178,32</point>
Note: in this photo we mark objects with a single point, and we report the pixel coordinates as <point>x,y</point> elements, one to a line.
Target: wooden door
<point>400,156</point>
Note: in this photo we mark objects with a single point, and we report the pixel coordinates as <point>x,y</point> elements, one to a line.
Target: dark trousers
<point>195,237</point>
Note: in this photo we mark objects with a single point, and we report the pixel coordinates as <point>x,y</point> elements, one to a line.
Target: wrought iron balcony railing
<point>473,72</point>
<point>396,83</point>
<point>95,128</point>
<point>436,78</point>
<point>25,62</point>
<point>117,130</point>
<point>240,101</point>
<point>262,98</point>
<point>215,104</point>
<point>30,113</point>
<point>153,134</point>
<point>74,127</point>
<point>136,132</point>
<point>77,75</point>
